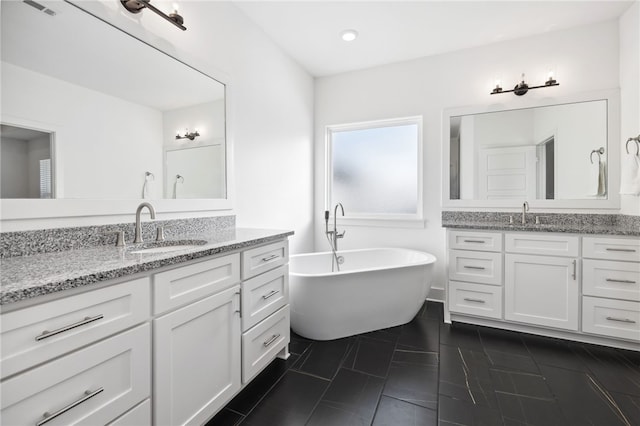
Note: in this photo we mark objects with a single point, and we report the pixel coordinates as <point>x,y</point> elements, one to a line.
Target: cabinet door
<point>197,359</point>
<point>542,290</point>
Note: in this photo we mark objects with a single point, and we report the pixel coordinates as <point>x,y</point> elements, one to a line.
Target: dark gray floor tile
<point>414,384</point>
<point>464,413</point>
<point>512,361</point>
<point>392,412</point>
<point>390,335</point>
<point>225,418</point>
<point>519,409</point>
<point>502,341</point>
<point>251,395</point>
<point>461,335</point>
<point>354,392</point>
<point>611,368</point>
<point>324,358</point>
<point>327,415</point>
<point>420,334</point>
<point>581,399</point>
<point>459,365</point>
<point>555,352</point>
<point>518,383</point>
<point>289,402</point>
<point>474,392</point>
<point>431,310</point>
<point>629,405</point>
<point>370,356</point>
<point>415,357</point>
<point>298,344</point>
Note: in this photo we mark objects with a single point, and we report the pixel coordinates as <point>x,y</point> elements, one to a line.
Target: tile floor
<point>430,373</point>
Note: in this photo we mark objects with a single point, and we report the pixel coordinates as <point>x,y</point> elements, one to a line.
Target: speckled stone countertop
<point>25,277</point>
<point>602,224</point>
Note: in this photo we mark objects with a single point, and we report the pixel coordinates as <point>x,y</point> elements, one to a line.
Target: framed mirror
<point>115,107</point>
<point>552,153</point>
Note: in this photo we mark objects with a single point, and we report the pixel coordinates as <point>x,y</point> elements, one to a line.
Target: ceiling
<point>394,31</point>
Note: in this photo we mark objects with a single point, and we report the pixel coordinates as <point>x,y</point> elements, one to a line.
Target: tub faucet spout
<point>525,208</point>
<point>335,233</point>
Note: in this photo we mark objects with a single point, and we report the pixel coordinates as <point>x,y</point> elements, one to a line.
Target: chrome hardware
<point>474,241</point>
<point>160,234</point>
<point>271,340</point>
<point>525,208</point>
<point>239,311</point>
<point>481,268</point>
<point>268,258</point>
<point>47,417</point>
<point>138,234</point>
<point>625,320</point>
<point>270,294</point>
<point>468,299</point>
<point>510,220</point>
<point>333,236</point>
<point>119,239</point>
<point>618,249</point>
<point>575,265</point>
<point>613,280</point>
<point>46,334</point>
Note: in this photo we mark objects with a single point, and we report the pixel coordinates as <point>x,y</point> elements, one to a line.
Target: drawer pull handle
<point>268,258</point>
<point>271,293</point>
<point>46,334</point>
<point>474,241</point>
<point>271,340</point>
<point>480,268</point>
<point>618,249</point>
<point>87,395</point>
<point>575,262</point>
<point>468,299</point>
<point>621,320</point>
<point>612,280</point>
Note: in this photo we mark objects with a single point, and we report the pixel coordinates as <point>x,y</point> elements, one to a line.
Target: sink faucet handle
<point>119,239</point>
<point>160,233</point>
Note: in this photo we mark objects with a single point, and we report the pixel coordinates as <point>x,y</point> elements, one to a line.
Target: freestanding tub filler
<point>374,289</point>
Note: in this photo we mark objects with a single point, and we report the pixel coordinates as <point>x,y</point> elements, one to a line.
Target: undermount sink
<point>166,246</point>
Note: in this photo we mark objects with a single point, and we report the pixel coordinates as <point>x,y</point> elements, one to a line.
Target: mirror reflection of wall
<point>196,172</point>
<point>25,163</point>
<point>530,153</point>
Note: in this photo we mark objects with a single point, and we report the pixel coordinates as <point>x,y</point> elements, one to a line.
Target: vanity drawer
<point>606,278</point>
<point>263,295</point>
<point>546,245</point>
<point>261,259</point>
<point>38,333</point>
<point>475,299</point>
<point>263,342</point>
<point>475,266</point>
<point>138,416</point>
<point>92,386</point>
<point>186,284</point>
<point>612,318</point>
<point>472,240</point>
<point>627,249</point>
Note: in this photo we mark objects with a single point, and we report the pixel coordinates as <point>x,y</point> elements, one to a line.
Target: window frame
<point>414,220</point>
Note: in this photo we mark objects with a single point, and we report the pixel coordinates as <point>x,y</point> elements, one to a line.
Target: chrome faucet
<point>138,234</point>
<point>525,208</point>
<point>333,236</point>
<point>335,233</point>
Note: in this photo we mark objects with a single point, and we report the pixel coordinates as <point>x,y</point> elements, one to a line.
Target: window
<point>375,169</point>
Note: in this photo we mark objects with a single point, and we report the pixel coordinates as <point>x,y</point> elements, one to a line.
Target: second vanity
<point>140,339</point>
<point>554,280</point>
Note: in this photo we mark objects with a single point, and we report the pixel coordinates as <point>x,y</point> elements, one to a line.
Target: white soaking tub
<point>374,289</point>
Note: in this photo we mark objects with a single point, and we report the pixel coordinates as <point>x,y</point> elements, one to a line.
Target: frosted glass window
<point>375,169</point>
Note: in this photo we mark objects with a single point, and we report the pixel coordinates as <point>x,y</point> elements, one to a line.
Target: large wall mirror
<point>97,114</point>
<point>553,153</point>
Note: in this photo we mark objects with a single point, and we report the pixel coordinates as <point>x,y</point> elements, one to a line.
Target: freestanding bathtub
<point>374,289</point>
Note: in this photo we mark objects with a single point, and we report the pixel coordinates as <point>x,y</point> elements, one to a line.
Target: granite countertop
<point>25,277</point>
<point>570,229</point>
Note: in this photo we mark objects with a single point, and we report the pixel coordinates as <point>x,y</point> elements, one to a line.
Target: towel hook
<point>597,151</point>
<point>147,174</point>
<point>179,178</point>
<point>637,141</point>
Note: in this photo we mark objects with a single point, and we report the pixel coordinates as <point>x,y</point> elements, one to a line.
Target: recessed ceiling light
<point>349,35</point>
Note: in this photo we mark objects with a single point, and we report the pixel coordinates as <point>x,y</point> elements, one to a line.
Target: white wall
<point>586,58</point>
<point>14,166</point>
<point>271,116</point>
<point>630,90</point>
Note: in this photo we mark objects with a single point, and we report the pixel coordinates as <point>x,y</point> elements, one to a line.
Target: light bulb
<point>349,35</point>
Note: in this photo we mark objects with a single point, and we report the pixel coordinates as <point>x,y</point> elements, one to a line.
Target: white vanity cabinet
<point>542,280</point>
<point>582,287</point>
<point>77,359</point>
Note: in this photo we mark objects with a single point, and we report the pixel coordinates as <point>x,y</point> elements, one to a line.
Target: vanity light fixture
<point>188,135</point>
<point>349,35</point>
<point>522,87</point>
<point>136,6</point>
